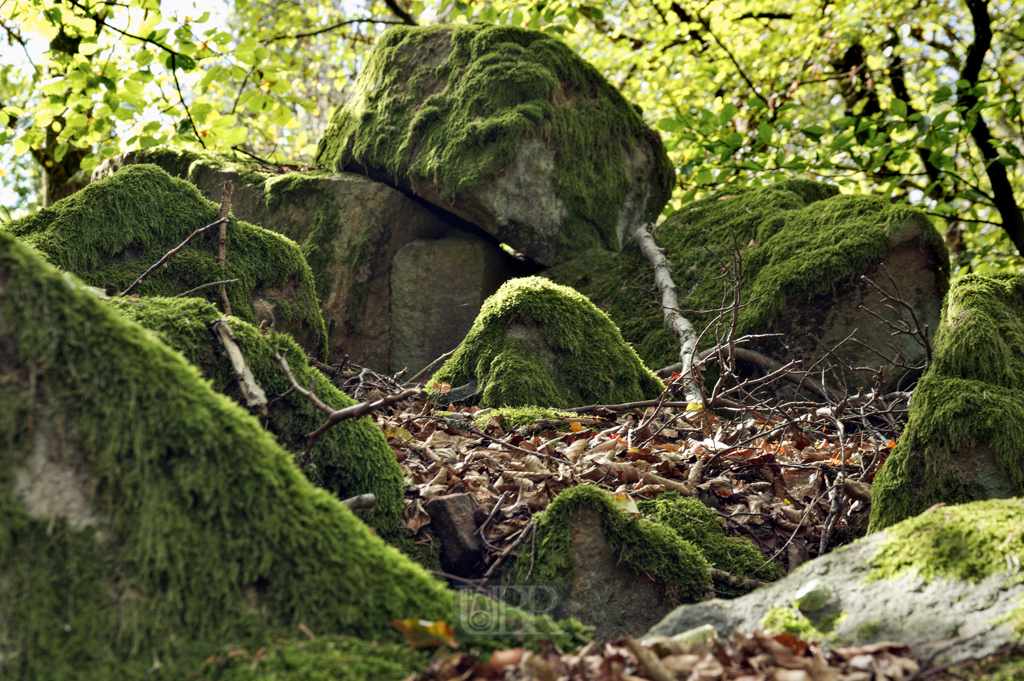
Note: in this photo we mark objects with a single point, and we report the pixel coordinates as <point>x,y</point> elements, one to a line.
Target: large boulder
<point>535,342</point>
<point>945,583</point>
<point>380,309</point>
<point>963,441</point>
<point>507,128</point>
<point>113,230</point>
<point>351,458</point>
<point>147,521</point>
<point>804,249</point>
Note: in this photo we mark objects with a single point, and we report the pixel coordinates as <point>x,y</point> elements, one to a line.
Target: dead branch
<point>913,328</point>
<point>255,398</point>
<point>728,579</point>
<point>169,254</point>
<point>225,208</point>
<point>433,364</point>
<point>202,286</point>
<point>678,324</point>
<point>364,502</point>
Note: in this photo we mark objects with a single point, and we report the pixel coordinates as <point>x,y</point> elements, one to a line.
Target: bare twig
<point>202,286</point>
<point>225,208</point>
<point>433,364</point>
<point>363,502</point>
<point>169,254</point>
<point>255,398</point>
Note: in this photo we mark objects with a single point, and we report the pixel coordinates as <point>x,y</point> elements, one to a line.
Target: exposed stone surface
<point>113,230</point>
<point>507,128</point>
<point>535,342</point>
<point>804,249</point>
<point>451,518</point>
<point>350,230</point>
<point>956,617</point>
<point>963,439</point>
<point>437,289</point>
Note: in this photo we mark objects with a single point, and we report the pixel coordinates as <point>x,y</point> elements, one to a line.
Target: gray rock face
<point>508,129</point>
<point>452,519</point>
<point>927,616</point>
<point>437,288</point>
<point>351,230</point>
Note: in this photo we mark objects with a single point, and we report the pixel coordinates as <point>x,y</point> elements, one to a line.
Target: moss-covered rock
<point>804,248</point>
<point>537,343</point>
<point>147,521</point>
<point>509,129</point>
<point>349,459</point>
<point>613,570</point>
<point>115,229</point>
<point>701,526</point>
<point>963,441</point>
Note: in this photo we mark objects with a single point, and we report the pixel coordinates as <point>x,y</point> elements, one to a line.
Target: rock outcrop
<point>804,249</point>
<point>963,441</point>
<point>535,342</point>
<point>507,128</point>
<point>944,583</point>
<point>113,230</point>
<point>351,230</point>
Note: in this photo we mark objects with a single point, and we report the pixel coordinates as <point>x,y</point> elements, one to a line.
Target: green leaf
<point>942,94</point>
<point>59,152</point>
<point>899,108</point>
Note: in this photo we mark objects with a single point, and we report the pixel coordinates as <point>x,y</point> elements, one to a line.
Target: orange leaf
<point>424,633</point>
<point>575,426</point>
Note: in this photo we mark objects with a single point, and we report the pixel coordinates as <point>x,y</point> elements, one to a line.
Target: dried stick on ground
<point>255,398</point>
<point>169,254</point>
<point>225,208</point>
<point>679,324</point>
<point>336,416</point>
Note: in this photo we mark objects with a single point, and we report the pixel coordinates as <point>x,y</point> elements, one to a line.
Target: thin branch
<point>202,286</point>
<point>222,240</point>
<point>177,86</point>
<point>168,255</point>
<point>334,26</point>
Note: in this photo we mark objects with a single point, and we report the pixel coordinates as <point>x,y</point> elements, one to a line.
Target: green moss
<point>869,631</point>
<point>349,459</point>
<point>455,120</point>
<point>111,231</point>
<point>640,544</point>
<point>700,525</point>
<point>515,417</point>
<point>797,238</point>
<point>969,400</point>
<point>210,534</point>
<point>326,658</point>
<point>588,363</point>
<point>792,621</point>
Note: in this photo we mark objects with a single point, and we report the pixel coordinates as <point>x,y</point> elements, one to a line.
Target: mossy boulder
<point>946,583</point>
<point>366,244</point>
<point>612,570</point>
<point>113,230</point>
<point>804,248</point>
<point>538,343</point>
<point>507,128</point>
<point>147,521</point>
<point>349,459</point>
<point>963,441</point>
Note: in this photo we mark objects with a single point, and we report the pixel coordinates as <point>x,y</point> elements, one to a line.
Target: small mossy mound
<point>326,658</point>
<point>147,521</point>
<point>700,525</point>
<point>349,459</point>
<point>516,417</point>
<point>113,230</point>
<point>452,106</point>
<point>963,438</point>
<point>640,544</point>
<point>796,238</point>
<point>537,343</point>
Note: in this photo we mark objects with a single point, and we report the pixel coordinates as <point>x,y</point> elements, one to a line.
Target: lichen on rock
<point>111,231</point>
<point>508,128</point>
<point>963,439</point>
<point>537,343</point>
<point>349,459</point>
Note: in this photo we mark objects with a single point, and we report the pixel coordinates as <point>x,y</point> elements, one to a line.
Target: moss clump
<point>333,658</point>
<point>640,544</point>
<point>967,408</point>
<point>792,621</point>
<point>453,105</point>
<point>515,417</point>
<point>206,531</point>
<point>349,459</point>
<point>797,238</point>
<point>111,231</point>
<point>700,525</point>
<point>575,354</point>
<point>188,165</point>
